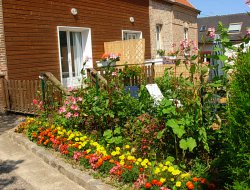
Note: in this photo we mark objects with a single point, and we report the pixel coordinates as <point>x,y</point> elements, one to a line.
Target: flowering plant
<point>173,53</point>
<point>111,57</point>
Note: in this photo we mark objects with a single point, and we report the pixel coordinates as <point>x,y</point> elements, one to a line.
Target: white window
<point>234,28</point>
<point>74,46</point>
<point>203,28</point>
<point>158,36</point>
<point>130,34</point>
<point>185,33</point>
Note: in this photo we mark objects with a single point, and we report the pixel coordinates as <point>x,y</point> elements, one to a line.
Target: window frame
<point>158,42</point>
<point>131,31</point>
<point>203,28</point>
<point>232,31</point>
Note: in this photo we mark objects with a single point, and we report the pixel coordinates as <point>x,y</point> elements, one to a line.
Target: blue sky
<point>220,7</point>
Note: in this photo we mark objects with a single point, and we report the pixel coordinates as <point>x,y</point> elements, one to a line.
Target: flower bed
<point>119,163</point>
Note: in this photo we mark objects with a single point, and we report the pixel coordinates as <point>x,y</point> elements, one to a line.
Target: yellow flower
<point>76,139</point>
<point>117,148</point>
<point>122,162</point>
<point>80,147</point>
<point>113,153</point>
<point>139,160</point>
<point>167,163</point>
<point>185,175</point>
<point>127,146</point>
<point>88,151</point>
<point>161,165</point>
<point>162,180</point>
<point>122,157</point>
<point>131,158</point>
<point>164,168</point>
<point>178,184</point>
<point>176,172</point>
<point>170,169</point>
<point>157,171</point>
<point>172,179</point>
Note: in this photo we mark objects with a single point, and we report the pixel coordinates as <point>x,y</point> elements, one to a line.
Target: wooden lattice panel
<point>132,51</point>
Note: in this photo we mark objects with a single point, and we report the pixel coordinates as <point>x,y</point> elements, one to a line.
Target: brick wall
<point>3,60</point>
<point>184,18</point>
<point>173,19</point>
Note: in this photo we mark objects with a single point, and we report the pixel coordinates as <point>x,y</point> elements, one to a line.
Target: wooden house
<point>56,35</point>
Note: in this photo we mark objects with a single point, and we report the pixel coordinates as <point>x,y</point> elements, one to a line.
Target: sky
<point>220,7</point>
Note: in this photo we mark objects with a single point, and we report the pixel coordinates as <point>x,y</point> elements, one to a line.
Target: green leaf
<point>191,144</point>
<point>117,131</point>
<point>223,58</point>
<point>178,130</point>
<point>108,133</point>
<point>160,134</point>
<point>193,68</point>
<point>170,159</point>
<point>183,144</point>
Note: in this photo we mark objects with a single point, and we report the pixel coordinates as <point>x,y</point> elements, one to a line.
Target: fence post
<point>3,98</point>
<point>153,72</point>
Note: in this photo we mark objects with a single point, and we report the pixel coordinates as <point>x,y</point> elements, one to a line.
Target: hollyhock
<point>211,32</point>
<point>248,30</point>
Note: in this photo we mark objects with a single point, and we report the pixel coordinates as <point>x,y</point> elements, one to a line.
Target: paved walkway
<point>22,170</point>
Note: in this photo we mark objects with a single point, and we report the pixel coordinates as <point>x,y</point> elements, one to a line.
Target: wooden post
<point>3,99</point>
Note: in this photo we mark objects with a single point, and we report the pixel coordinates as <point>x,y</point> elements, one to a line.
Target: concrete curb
<point>79,177</point>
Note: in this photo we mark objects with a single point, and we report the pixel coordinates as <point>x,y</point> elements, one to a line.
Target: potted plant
<point>109,59</point>
<point>172,54</point>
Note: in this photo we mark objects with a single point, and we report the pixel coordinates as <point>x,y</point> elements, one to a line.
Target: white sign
<point>155,93</point>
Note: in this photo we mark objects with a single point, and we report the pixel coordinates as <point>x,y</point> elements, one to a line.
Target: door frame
<point>87,46</point>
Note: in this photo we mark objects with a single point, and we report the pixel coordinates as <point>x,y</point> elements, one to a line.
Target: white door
<point>75,46</point>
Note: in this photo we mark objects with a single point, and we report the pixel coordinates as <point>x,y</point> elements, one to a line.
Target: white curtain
<point>78,52</point>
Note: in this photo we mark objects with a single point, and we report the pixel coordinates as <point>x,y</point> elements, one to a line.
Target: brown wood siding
<point>31,29</point>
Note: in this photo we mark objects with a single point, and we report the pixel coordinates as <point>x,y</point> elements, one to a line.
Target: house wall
<point>184,18</point>
<point>173,18</point>
<point>3,61</point>
<point>161,13</point>
<point>31,29</point>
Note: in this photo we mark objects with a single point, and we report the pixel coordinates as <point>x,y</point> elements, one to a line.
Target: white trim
<point>131,31</point>
<point>86,46</point>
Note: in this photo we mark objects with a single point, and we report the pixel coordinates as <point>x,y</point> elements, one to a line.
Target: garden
<point>135,143</point>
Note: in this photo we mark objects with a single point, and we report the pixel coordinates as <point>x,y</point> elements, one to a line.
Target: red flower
<point>154,182</point>
<point>190,186</point>
<point>148,185</point>
<point>195,179</point>
<point>203,180</point>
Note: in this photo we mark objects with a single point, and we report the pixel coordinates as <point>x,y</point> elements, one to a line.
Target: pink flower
<point>76,115</point>
<point>71,89</point>
<point>211,32</point>
<point>114,73</point>
<point>62,110</point>
<point>66,102</point>
<point>248,30</point>
<point>164,188</point>
<point>248,2</point>
<point>77,155</point>
<point>79,99</point>
<point>35,102</point>
<point>68,115</point>
<point>74,107</point>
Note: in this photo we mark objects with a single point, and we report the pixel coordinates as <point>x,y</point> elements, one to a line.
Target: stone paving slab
<point>31,171</point>
<point>79,177</point>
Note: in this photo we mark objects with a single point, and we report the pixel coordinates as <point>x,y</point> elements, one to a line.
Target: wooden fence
<point>19,95</point>
<point>132,51</point>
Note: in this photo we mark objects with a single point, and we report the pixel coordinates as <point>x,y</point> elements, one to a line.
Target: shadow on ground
<point>9,121</point>
<point>6,167</point>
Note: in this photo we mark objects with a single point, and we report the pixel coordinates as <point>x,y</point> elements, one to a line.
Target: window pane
<point>234,28</point>
<point>64,54</point>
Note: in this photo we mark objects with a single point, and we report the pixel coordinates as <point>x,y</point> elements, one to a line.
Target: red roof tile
<point>185,2</point>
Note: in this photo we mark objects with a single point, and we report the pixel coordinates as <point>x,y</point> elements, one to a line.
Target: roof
<point>186,3</point>
<point>226,20</point>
